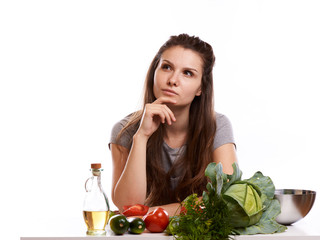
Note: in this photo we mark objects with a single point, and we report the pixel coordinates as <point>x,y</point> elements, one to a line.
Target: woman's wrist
<point>140,137</point>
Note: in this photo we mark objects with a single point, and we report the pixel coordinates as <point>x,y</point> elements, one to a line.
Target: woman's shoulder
<point>126,136</point>
<point>224,131</point>
<point>221,120</point>
<point>123,122</point>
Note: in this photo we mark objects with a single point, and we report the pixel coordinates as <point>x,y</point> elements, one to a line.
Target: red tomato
<point>135,210</point>
<point>125,207</point>
<point>157,220</point>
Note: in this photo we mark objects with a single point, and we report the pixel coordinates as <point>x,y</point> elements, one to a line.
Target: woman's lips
<point>169,92</point>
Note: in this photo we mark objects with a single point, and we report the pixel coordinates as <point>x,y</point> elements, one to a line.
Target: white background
<point>70,69</point>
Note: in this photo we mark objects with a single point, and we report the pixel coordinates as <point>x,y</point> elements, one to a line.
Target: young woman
<point>161,152</point>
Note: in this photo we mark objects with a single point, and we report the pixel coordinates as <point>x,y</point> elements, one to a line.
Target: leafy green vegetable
<point>267,223</point>
<point>265,185</point>
<point>229,206</point>
<point>203,219</point>
<point>244,204</point>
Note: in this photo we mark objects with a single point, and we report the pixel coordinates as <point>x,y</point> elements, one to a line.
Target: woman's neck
<point>176,134</point>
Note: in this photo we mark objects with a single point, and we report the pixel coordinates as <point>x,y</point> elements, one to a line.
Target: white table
<point>305,229</point>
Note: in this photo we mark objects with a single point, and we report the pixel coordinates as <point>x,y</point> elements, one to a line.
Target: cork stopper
<point>95,165</point>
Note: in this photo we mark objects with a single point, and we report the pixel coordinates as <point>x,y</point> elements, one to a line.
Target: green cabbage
<point>251,202</point>
<point>244,203</point>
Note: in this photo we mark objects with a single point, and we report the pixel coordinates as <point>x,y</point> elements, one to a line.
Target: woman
<point>161,152</point>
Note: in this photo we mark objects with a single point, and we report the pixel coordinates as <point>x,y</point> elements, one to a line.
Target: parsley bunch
<point>202,219</point>
<point>206,218</point>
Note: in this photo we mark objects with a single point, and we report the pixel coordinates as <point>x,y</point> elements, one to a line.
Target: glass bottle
<point>96,208</point>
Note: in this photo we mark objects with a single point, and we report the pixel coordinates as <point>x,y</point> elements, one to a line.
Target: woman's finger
<point>156,110</point>
<point>164,99</point>
<point>171,115</point>
<point>166,113</point>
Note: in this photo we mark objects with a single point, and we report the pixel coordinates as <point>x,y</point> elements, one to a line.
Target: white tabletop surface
<point>304,229</point>
<point>307,228</point>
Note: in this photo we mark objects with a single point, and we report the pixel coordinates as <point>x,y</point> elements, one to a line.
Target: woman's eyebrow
<point>165,60</point>
<point>189,68</point>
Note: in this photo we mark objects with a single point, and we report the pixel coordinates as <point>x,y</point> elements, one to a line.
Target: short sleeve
<point>126,138</point>
<point>224,132</point>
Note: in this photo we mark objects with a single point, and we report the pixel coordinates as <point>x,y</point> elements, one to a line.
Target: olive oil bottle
<point>96,208</point>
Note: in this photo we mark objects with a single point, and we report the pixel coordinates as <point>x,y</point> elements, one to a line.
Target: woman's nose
<point>173,80</point>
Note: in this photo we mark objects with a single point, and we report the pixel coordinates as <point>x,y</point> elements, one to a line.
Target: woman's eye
<point>188,73</point>
<point>166,67</point>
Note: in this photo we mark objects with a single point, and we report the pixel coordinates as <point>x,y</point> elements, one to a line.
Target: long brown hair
<point>201,130</point>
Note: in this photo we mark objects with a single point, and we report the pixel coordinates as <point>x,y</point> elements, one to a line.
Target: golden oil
<point>96,221</point>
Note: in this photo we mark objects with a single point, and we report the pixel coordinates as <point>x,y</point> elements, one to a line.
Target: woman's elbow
<point>121,200</point>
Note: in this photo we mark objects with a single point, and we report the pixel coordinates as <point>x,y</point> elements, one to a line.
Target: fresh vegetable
<point>244,204</point>
<point>184,210</point>
<point>112,213</point>
<point>136,225</point>
<point>173,224</point>
<point>135,210</point>
<point>119,224</point>
<point>210,223</point>
<point>157,220</point>
<point>229,206</point>
<point>271,207</point>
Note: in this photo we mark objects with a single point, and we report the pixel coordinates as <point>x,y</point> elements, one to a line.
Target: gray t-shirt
<point>223,135</point>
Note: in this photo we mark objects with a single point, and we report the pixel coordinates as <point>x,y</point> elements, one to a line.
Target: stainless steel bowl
<point>295,204</point>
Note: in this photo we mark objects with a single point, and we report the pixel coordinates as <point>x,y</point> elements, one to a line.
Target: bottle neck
<point>96,178</point>
<point>96,172</point>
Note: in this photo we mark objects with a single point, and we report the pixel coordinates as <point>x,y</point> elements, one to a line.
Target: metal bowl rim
<point>291,191</point>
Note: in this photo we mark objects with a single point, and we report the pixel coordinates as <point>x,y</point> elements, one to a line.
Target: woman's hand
<point>154,114</point>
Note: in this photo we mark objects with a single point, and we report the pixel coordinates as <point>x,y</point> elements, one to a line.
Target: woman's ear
<point>199,92</point>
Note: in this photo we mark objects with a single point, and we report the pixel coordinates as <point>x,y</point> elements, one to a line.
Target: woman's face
<point>178,75</point>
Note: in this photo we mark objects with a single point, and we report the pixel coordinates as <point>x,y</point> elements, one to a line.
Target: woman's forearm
<point>132,185</point>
